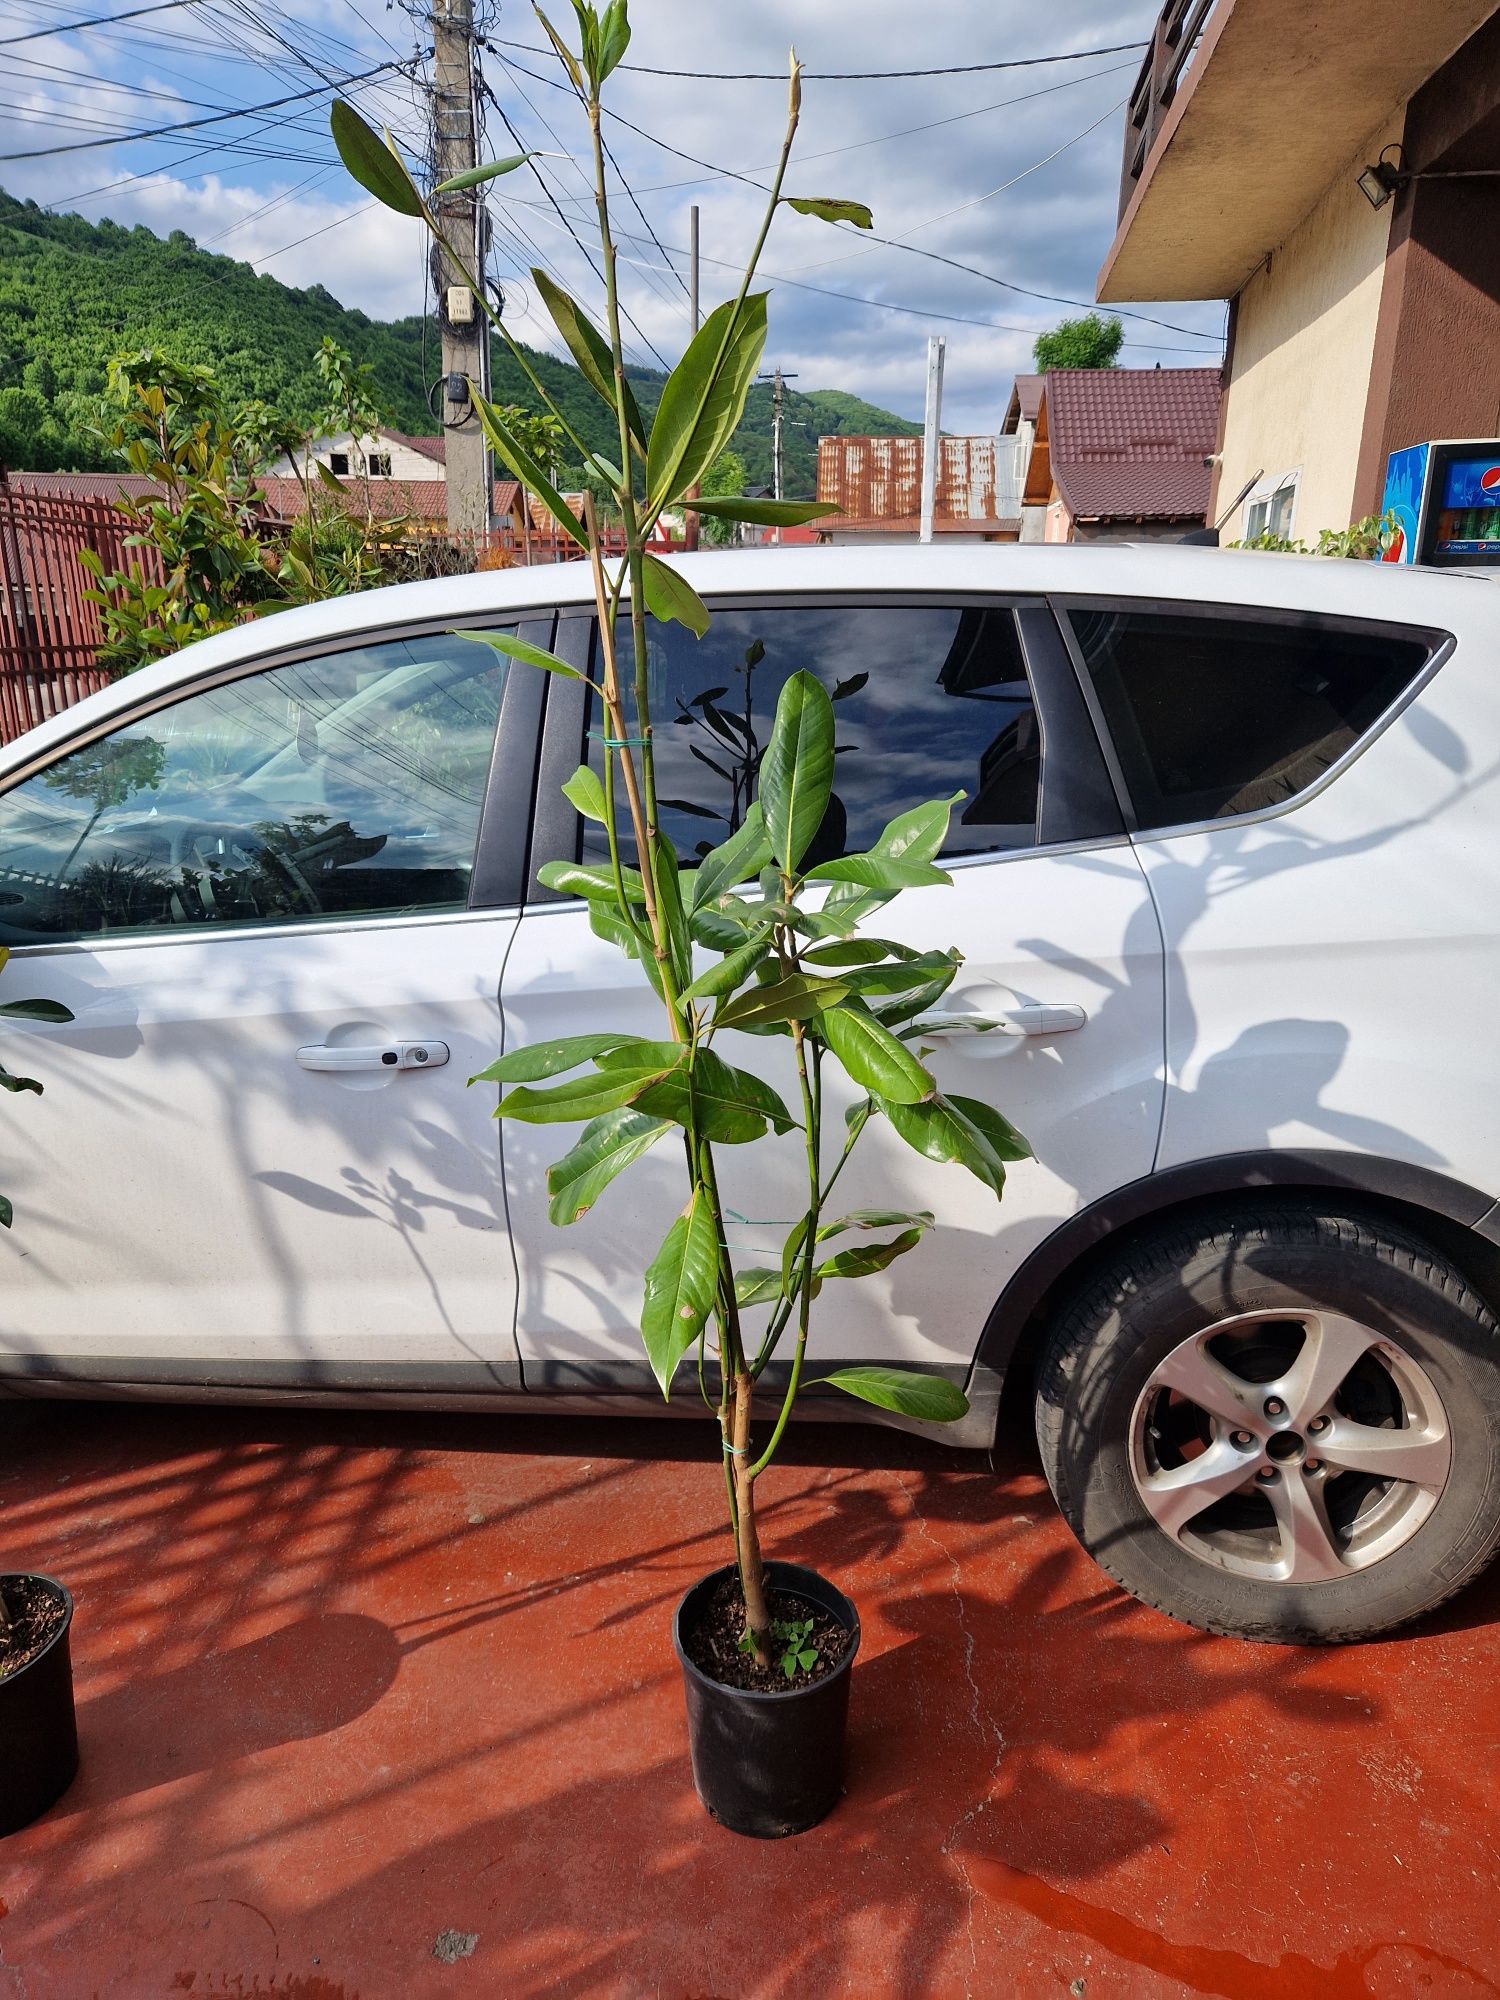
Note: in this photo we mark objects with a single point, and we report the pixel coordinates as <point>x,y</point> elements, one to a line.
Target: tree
<point>1090,342</point>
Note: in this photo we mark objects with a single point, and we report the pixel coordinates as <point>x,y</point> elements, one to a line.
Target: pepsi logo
<point>1489,481</point>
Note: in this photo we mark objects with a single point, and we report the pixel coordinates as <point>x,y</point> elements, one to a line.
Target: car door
<point>257,1162</point>
<point>1048,904</point>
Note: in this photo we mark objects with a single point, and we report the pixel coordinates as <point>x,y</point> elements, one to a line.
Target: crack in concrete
<point>982,1725</point>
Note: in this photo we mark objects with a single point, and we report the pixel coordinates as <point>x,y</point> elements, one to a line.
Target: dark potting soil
<point>713,1645</point>
<point>35,1612</point>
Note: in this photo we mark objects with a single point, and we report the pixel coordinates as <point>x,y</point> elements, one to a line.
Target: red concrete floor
<point>348,1683</point>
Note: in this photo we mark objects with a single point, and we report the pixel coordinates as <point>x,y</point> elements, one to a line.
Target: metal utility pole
<point>778,484</point>
<point>461,321</point>
<point>931,435</point>
<point>690,519</point>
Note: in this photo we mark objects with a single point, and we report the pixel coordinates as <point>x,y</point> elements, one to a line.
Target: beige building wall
<point>1304,338</point>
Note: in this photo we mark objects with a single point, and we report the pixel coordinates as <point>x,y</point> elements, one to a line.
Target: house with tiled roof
<point>376,455</point>
<point>1116,454</point>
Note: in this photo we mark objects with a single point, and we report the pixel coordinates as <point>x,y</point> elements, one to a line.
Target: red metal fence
<point>49,632</point>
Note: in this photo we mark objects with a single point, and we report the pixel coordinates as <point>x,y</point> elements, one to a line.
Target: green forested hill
<point>73,293</point>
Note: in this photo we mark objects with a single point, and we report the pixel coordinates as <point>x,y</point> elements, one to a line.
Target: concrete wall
<point>1303,344</point>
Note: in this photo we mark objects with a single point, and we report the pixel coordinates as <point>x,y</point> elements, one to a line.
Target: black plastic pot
<point>768,1764</point>
<point>38,1729</point>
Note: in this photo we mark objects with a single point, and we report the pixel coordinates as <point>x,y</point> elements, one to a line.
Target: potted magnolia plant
<point>38,1731</point>
<point>753,938</point>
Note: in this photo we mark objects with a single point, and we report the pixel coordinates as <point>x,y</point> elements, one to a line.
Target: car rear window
<point>1215,714</point>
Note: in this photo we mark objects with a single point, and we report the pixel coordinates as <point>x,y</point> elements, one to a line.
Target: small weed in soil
<point>34,1613</point>
<point>716,1644</point>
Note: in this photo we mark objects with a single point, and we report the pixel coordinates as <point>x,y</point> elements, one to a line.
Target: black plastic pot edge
<point>768,1764</point>
<point>38,1722</point>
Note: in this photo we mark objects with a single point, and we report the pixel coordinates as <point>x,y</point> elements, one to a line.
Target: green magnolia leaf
<point>732,970</point>
<point>583,1098</point>
<point>1001,1134</point>
<point>796,998</point>
<point>15,1084</point>
<point>541,1059</point>
<point>876,1218</point>
<point>738,859</point>
<point>917,835</point>
<point>682,1282</point>
<point>910,1395</point>
<point>571,878</point>
<point>473,176</point>
<point>941,1130</point>
<point>526,469</point>
<point>724,924</point>
<point>373,161</point>
<point>704,399</point>
<point>756,1287</point>
<point>328,476</point>
<point>522,649</point>
<point>588,348</point>
<point>672,912</point>
<point>904,976</point>
<point>796,773</point>
<point>908,1005</point>
<point>861,1259</point>
<point>585,791</point>
<point>829,208</point>
<point>568,59</point>
<point>879,871</point>
<point>36,1010</point>
<point>605,1147</point>
<point>762,513</point>
<point>669,597</point>
<point>614,37</point>
<point>731,1105</point>
<point>873,1057</point>
<point>606,922</point>
<point>857,951</point>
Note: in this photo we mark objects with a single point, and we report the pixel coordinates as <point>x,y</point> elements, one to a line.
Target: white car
<point>1228,865</point>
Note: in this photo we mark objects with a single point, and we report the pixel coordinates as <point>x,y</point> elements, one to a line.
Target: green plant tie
<point>739,1450</point>
<point>620,742</point>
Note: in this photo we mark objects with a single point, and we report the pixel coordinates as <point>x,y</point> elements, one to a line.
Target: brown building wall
<point>1435,370</point>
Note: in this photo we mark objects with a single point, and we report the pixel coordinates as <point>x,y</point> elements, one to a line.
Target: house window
<point>1270,511</point>
<point>338,462</point>
<point>378,465</point>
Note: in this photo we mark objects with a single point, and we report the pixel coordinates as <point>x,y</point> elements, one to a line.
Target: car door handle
<point>374,1055</point>
<point>1028,1020</point>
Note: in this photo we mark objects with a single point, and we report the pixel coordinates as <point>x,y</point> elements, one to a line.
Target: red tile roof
<point>429,447</point>
<point>86,485</point>
<point>423,499</point>
<point>876,483</point>
<point>1130,442</point>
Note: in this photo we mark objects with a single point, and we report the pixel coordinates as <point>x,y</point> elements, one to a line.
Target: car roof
<point>1444,600</point>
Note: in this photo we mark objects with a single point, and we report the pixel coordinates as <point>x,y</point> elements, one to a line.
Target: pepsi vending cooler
<point>1446,499</point>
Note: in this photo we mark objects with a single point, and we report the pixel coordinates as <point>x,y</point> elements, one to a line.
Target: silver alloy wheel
<point>1291,1446</point>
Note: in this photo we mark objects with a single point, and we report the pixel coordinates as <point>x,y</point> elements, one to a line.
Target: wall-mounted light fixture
<point>1379,181</point>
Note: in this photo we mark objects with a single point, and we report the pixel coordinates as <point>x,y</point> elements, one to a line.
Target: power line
<point>194,124</point>
<point>566,220</point>
<point>98,21</point>
<point>849,75</point>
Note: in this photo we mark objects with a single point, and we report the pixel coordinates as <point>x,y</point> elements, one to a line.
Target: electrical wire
<point>194,124</point>
<point>849,75</point>
<point>99,21</point>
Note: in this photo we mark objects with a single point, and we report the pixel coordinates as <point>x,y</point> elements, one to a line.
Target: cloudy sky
<point>1013,172</point>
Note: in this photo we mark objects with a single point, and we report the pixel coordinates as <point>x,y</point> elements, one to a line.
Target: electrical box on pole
<point>462,325</point>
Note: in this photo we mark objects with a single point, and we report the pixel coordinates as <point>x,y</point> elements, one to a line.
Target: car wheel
<point>1278,1424</point>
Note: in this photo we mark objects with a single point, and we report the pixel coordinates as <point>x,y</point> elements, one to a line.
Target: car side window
<point>1214,715</point>
<point>929,700</point>
<point>346,785</point>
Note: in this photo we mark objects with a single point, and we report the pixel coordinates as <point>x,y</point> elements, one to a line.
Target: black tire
<point>1163,1289</point>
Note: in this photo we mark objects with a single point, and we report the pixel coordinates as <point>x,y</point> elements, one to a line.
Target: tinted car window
<point>1213,716</point>
<point>929,701</point>
<point>347,785</point>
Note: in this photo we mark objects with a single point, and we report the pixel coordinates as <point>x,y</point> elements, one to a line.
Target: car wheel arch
<point>1456,1218</point>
